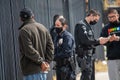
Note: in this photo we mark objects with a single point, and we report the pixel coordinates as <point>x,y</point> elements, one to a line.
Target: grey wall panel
<point>1,57</point>
<point>98,4</point>
<point>40,9</point>
<point>16,6</point>
<point>9,22</point>
<point>1,53</point>
<point>54,7</point>
<point>66,13</point>
<point>7,41</point>
<point>76,12</point>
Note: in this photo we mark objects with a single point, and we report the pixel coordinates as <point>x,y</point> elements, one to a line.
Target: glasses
<point>109,17</point>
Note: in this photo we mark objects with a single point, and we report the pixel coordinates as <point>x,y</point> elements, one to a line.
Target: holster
<point>67,73</point>
<point>72,63</point>
<point>81,63</point>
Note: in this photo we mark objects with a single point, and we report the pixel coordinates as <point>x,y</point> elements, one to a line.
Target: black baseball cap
<point>26,13</point>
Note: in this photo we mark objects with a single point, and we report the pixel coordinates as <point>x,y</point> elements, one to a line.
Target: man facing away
<point>36,47</point>
<point>112,30</point>
<point>85,43</point>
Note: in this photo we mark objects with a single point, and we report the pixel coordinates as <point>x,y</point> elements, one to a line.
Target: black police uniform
<point>85,46</point>
<point>64,46</point>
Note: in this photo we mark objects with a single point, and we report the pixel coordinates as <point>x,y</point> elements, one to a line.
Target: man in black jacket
<point>112,29</point>
<point>85,43</point>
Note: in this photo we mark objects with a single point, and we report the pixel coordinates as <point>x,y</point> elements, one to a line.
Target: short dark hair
<point>112,11</point>
<point>94,12</point>
<point>56,16</point>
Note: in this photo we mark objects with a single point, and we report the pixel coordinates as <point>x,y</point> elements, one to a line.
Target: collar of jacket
<point>86,23</point>
<point>62,33</point>
<point>26,22</point>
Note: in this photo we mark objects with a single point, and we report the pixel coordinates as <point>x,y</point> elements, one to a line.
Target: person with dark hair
<point>52,29</point>
<point>64,51</point>
<point>36,47</point>
<point>86,43</point>
<point>112,30</point>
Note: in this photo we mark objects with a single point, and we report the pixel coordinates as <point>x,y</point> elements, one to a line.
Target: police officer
<point>85,43</point>
<point>64,45</point>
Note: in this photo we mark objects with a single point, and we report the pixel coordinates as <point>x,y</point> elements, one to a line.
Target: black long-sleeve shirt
<point>113,48</point>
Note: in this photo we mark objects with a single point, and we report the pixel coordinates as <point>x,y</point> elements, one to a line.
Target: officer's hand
<point>103,40</point>
<point>45,66</point>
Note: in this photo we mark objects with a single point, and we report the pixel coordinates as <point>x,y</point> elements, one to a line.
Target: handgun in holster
<point>72,63</point>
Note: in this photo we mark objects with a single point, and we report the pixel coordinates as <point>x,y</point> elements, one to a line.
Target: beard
<point>114,22</point>
<point>93,22</point>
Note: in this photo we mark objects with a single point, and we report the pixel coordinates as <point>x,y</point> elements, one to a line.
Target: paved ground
<point>98,76</point>
<point>102,76</point>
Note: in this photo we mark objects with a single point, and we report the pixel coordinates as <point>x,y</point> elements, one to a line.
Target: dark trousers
<point>64,71</point>
<point>86,65</point>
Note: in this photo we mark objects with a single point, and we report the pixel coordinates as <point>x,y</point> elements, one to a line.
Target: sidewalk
<point>101,76</point>
<point>98,76</point>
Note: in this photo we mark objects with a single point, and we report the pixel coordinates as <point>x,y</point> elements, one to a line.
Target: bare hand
<point>114,38</point>
<point>45,66</point>
<point>103,40</point>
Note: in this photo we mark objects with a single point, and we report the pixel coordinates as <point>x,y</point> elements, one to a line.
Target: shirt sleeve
<point>49,49</point>
<point>26,47</point>
<point>104,33</point>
